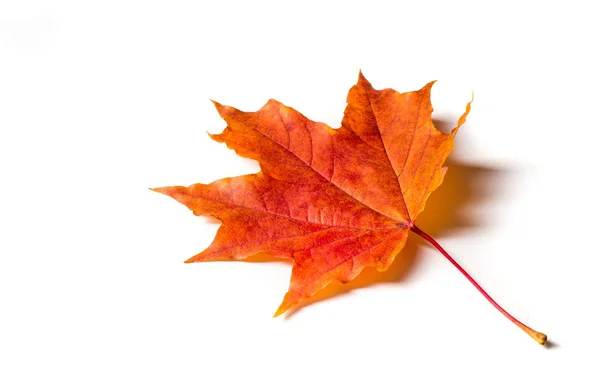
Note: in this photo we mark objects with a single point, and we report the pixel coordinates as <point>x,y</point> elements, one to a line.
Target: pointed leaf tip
<point>221,109</point>
<point>216,137</point>
<point>428,86</point>
<point>362,79</point>
<point>463,118</point>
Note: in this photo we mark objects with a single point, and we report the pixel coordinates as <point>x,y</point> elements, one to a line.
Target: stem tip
<point>538,336</point>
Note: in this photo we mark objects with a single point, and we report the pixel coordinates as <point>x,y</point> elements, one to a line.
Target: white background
<point>101,100</point>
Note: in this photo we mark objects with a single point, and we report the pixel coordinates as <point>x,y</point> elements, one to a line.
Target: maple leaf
<point>333,200</point>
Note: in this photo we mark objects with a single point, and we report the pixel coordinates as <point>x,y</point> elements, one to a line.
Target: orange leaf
<point>335,201</point>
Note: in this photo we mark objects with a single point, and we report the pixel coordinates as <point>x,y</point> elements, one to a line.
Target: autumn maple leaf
<point>333,200</point>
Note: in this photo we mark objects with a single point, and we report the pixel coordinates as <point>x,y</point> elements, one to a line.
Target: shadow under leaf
<point>450,209</point>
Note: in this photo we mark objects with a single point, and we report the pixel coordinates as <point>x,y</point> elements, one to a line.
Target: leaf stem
<point>537,336</point>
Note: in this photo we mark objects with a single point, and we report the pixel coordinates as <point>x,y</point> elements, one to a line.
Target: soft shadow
<point>442,125</point>
<point>453,206</point>
<point>551,345</point>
